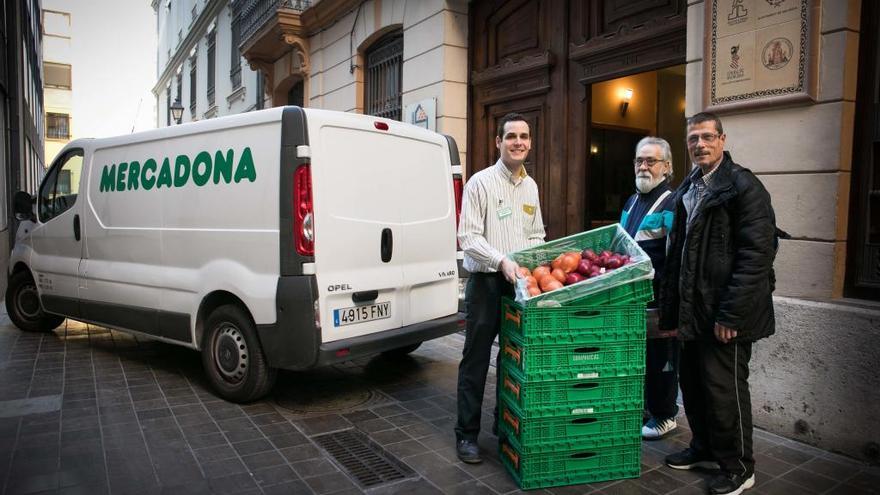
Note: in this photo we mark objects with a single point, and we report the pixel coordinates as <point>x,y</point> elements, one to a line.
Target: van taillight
<point>458,187</point>
<point>303,212</point>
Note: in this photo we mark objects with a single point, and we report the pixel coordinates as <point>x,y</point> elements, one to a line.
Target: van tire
<point>24,306</point>
<point>232,357</point>
<point>401,351</point>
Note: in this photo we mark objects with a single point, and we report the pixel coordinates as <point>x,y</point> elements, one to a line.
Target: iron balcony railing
<point>253,14</point>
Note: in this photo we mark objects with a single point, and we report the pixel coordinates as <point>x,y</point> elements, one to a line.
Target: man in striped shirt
<point>500,213</point>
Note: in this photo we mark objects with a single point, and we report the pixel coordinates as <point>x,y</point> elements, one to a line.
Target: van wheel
<point>401,351</point>
<point>24,307</point>
<point>232,356</point>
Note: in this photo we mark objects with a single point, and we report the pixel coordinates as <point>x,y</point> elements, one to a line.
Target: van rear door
<point>385,252</point>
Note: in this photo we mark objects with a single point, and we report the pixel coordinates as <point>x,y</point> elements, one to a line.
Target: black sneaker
<point>468,451</point>
<point>731,484</point>
<point>690,459</point>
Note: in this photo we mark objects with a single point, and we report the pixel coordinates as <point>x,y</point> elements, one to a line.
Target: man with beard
<point>717,292</point>
<point>647,217</point>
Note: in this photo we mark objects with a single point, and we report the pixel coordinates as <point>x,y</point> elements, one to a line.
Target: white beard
<point>647,184</point>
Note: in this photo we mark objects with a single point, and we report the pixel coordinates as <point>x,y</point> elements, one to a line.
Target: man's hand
<point>510,269</point>
<point>724,334</point>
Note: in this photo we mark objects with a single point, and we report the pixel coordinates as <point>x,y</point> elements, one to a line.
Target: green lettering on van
<point>223,166</point>
<point>108,178</point>
<point>164,175</point>
<point>181,170</point>
<point>134,169</point>
<point>120,176</point>
<point>245,169</point>
<point>201,178</point>
<point>148,182</point>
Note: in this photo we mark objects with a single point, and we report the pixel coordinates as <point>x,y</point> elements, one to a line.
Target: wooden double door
<point>539,58</point>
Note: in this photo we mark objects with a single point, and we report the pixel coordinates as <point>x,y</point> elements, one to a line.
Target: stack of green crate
<point>570,386</point>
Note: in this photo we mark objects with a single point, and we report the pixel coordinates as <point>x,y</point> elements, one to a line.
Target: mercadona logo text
<point>201,170</point>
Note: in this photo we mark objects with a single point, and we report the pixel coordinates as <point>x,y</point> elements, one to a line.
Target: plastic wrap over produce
<point>611,238</point>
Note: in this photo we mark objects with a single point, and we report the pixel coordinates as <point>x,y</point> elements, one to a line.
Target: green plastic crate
<point>611,237</point>
<point>570,397</point>
<point>573,324</point>
<point>540,435</point>
<point>637,292</point>
<point>569,467</point>
<point>555,361</point>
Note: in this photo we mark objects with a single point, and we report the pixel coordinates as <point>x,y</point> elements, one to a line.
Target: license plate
<point>361,314</point>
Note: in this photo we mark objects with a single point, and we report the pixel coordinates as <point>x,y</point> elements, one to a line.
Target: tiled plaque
<point>760,52</point>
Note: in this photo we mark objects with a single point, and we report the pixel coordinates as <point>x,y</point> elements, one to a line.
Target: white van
<point>285,238</point>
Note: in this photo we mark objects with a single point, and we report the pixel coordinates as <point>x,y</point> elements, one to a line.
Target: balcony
<point>264,23</point>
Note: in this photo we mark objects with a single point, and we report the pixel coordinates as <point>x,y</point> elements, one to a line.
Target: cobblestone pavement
<point>88,410</point>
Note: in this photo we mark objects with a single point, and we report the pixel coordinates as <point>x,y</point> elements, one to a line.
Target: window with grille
<point>234,55</point>
<point>192,86</point>
<point>212,65</point>
<point>56,75</point>
<point>384,64</point>
<point>57,126</point>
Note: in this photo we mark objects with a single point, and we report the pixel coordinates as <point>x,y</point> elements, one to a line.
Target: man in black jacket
<point>717,293</point>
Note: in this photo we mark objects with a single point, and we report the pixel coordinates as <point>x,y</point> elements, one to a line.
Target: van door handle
<point>76,232</point>
<point>387,245</point>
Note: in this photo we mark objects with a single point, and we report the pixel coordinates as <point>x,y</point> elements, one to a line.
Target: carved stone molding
<point>509,68</point>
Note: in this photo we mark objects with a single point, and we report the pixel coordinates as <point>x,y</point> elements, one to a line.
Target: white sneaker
<point>655,429</point>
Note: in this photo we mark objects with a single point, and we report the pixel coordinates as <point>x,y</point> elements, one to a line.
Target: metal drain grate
<point>368,463</point>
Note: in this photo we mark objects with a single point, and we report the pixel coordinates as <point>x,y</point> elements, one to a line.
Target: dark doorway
<point>863,243</point>
<point>296,94</point>
<point>622,112</point>
<point>611,153</point>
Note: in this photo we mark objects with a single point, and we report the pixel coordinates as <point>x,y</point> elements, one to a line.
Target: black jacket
<point>722,269</point>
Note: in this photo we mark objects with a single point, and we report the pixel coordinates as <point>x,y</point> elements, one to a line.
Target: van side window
<point>61,186</point>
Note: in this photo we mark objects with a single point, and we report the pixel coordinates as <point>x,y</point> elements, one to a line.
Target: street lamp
<point>176,111</point>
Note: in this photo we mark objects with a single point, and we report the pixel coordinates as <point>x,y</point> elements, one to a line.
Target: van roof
<point>231,121</point>
<point>226,122</point>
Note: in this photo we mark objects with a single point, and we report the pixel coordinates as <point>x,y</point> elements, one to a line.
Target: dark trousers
<point>715,388</point>
<point>661,377</point>
<point>483,305</point>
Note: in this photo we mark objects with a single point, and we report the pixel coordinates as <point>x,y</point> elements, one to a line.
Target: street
<point>89,410</point>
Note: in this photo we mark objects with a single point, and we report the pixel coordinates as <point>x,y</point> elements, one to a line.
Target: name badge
<point>504,212</point>
<point>529,209</point>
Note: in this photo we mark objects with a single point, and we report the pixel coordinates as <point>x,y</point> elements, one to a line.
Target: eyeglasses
<point>647,161</point>
<point>707,137</point>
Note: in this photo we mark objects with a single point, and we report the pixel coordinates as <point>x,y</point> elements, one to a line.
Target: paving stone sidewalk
<point>89,410</point>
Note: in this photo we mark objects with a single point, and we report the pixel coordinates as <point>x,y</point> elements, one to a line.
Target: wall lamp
<point>176,111</point>
<point>624,101</point>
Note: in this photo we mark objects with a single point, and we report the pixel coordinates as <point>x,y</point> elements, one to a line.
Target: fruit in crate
<point>571,268</point>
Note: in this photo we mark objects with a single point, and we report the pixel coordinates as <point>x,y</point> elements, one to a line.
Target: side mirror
<point>23,206</point>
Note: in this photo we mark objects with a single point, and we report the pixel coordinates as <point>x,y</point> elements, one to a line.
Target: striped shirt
<point>500,214</point>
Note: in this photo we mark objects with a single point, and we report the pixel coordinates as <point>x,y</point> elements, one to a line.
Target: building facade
<point>199,63</point>
<point>57,80</point>
<point>592,77</point>
<point>21,112</point>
